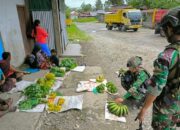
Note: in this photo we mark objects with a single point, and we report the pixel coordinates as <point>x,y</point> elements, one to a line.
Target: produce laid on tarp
<point>117,109</point>
<point>69,63</point>
<point>111,87</point>
<point>108,86</point>
<point>30,103</point>
<point>100,78</point>
<point>57,71</point>
<point>101,88</point>
<point>63,103</point>
<point>35,93</point>
<point>55,106</point>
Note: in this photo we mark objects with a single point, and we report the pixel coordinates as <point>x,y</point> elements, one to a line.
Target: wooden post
<point>57,26</point>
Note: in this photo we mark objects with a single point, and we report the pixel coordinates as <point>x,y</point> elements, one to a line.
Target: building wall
<point>64,37</point>
<point>10,30</point>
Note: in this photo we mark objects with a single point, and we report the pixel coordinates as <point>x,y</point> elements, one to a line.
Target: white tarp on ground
<point>113,117</point>
<point>62,78</point>
<point>79,69</point>
<point>88,85</point>
<point>40,107</point>
<point>56,85</point>
<point>20,86</point>
<point>71,102</point>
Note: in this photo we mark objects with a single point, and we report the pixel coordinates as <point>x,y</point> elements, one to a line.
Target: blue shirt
<point>1,74</point>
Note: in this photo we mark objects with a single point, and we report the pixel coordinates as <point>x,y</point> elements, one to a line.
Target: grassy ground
<point>84,20</point>
<point>74,33</point>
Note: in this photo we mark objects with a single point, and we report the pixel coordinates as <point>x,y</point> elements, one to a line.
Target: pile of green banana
<point>117,109</point>
<point>111,87</point>
<point>100,88</point>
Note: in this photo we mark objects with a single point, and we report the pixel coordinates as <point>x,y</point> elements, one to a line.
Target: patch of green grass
<point>86,19</point>
<point>74,33</point>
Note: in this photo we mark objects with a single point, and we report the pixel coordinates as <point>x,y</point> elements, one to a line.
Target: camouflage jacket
<point>139,78</point>
<point>165,70</point>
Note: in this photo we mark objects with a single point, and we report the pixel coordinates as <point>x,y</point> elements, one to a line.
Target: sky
<point>77,3</point>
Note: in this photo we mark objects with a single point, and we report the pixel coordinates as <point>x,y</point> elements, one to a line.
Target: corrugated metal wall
<point>63,24</point>
<point>47,22</point>
<point>46,19</point>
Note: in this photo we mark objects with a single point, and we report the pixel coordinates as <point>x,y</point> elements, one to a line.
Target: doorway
<point>23,20</point>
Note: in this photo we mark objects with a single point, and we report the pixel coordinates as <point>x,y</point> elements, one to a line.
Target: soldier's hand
<point>140,115</point>
<point>121,71</point>
<point>119,100</point>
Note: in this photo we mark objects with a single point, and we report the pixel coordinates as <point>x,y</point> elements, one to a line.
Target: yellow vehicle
<point>124,19</point>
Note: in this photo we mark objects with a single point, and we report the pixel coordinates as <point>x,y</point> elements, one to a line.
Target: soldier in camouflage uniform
<point>133,82</point>
<point>164,85</point>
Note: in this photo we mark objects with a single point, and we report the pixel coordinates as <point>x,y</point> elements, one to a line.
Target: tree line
<point>148,4</point>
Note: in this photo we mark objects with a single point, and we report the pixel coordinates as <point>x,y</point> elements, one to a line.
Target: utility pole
<point>57,26</point>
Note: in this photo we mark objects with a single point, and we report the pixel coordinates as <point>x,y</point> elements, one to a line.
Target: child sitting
<point>6,84</point>
<point>53,58</point>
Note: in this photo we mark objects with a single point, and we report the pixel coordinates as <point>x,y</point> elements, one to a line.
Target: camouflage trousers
<point>165,122</point>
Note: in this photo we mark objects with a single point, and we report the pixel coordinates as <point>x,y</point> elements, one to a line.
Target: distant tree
<point>107,5</point>
<point>166,4</point>
<point>68,12</point>
<point>116,2</point>
<point>98,5</point>
<point>86,7</point>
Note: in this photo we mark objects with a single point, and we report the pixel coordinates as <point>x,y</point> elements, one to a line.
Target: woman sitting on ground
<point>6,84</point>
<point>38,59</point>
<point>8,70</point>
<point>6,106</point>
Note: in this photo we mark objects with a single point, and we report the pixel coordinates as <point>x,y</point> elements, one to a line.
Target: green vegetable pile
<point>28,104</point>
<point>36,91</point>
<point>69,63</point>
<point>100,88</point>
<point>57,71</point>
<point>111,87</point>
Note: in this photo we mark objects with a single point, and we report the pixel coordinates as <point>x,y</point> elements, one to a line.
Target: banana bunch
<point>111,87</point>
<point>100,88</point>
<point>100,78</point>
<point>117,109</point>
<point>121,72</point>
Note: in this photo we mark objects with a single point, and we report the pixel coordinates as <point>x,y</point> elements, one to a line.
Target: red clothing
<point>41,35</point>
<point>5,66</point>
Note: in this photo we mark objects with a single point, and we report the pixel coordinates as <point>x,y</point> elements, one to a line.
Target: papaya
<point>61,101</point>
<point>57,108</point>
<point>50,76</point>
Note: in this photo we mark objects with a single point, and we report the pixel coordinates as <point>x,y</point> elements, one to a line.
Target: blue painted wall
<point>1,48</point>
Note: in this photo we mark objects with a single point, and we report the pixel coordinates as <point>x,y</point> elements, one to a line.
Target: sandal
<point>12,109</point>
<point>9,101</point>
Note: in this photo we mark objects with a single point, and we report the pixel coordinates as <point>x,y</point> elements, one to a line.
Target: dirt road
<point>109,50</point>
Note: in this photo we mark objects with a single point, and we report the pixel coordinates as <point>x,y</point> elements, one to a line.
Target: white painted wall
<point>11,31</point>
